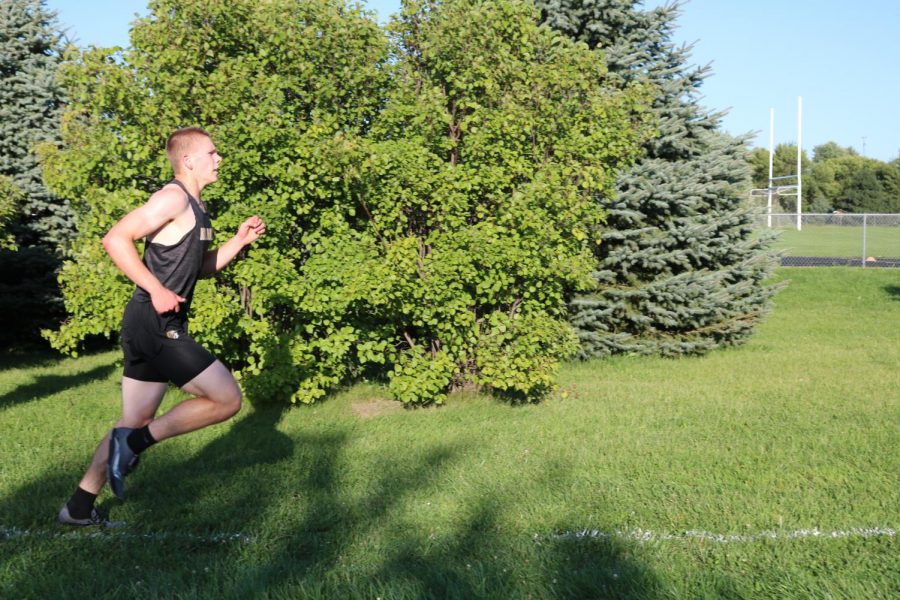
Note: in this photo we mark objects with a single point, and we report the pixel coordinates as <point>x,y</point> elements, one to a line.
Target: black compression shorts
<point>159,348</point>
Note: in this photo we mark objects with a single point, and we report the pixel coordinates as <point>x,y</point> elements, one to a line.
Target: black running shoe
<point>122,460</point>
<point>95,520</point>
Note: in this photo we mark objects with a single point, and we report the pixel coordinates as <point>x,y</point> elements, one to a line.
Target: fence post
<point>864,241</point>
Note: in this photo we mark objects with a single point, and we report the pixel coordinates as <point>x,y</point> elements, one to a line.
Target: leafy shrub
<point>429,212</point>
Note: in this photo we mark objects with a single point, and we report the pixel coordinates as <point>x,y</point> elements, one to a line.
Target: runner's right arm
<point>162,207</point>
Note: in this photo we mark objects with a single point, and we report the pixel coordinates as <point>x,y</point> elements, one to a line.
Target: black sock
<point>81,503</point>
<point>140,439</point>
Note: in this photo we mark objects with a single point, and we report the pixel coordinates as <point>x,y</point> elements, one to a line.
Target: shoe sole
<point>68,520</point>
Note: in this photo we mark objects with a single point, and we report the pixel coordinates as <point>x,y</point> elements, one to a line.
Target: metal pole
<point>864,242</point>
<point>771,157</point>
<point>799,155</point>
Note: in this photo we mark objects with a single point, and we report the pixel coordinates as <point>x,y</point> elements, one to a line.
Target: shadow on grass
<point>309,526</point>
<point>25,357</point>
<point>47,385</point>
<point>38,353</point>
<point>893,291</point>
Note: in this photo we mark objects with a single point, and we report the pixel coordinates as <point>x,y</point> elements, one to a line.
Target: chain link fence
<point>836,239</point>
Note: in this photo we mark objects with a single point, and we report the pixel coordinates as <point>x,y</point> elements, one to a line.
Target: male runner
<point>157,346</point>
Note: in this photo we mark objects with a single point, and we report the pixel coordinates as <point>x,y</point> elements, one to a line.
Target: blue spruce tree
<point>681,270</point>
<point>31,47</point>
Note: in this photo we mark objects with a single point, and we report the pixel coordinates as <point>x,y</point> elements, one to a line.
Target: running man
<point>158,348</point>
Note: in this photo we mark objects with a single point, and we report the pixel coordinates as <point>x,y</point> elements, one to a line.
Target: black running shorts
<point>159,348</point>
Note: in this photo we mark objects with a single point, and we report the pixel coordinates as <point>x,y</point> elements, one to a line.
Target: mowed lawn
<point>765,471</point>
<point>840,241</point>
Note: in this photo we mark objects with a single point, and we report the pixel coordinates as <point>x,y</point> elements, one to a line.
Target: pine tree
<point>31,47</point>
<point>681,269</point>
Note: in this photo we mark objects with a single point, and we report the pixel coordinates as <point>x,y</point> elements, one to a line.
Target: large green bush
<point>430,211</point>
<point>275,83</point>
<point>10,205</point>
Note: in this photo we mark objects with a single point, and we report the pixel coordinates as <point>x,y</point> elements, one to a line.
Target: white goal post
<point>784,185</point>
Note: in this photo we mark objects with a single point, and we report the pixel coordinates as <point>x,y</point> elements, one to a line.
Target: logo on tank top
<point>206,234</point>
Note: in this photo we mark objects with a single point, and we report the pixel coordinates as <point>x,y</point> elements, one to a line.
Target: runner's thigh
<point>140,401</point>
<point>216,383</point>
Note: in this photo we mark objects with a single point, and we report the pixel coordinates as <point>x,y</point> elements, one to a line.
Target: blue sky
<point>841,57</point>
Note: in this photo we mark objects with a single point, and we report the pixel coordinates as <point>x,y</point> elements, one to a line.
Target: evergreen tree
<point>681,270</point>
<point>31,47</point>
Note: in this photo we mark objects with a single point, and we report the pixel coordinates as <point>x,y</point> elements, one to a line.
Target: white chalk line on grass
<point>114,533</point>
<point>637,535</point>
<point>644,535</point>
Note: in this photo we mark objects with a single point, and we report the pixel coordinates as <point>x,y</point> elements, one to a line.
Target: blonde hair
<point>180,143</point>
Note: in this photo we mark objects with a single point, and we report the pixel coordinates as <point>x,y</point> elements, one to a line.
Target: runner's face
<point>205,161</point>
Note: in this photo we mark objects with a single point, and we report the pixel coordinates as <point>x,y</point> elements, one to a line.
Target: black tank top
<point>178,266</point>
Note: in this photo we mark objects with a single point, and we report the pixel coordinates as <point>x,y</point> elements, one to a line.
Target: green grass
<point>798,429</point>
<point>834,240</point>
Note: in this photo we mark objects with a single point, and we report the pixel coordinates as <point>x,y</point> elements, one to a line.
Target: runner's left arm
<point>216,260</point>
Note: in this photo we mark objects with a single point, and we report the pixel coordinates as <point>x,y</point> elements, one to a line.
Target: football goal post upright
<point>788,188</point>
<point>799,162</point>
<point>771,159</point>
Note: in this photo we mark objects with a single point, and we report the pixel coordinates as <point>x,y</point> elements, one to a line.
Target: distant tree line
<point>837,178</point>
